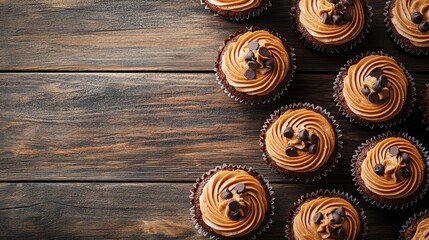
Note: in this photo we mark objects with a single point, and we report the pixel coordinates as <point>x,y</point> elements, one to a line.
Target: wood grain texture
<point>160,35</point>
<point>147,126</point>
<point>144,211</point>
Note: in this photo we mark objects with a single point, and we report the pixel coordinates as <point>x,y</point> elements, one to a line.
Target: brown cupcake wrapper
<point>278,113</point>
<point>195,187</point>
<point>398,41</point>
<point>240,18</point>
<point>410,221</point>
<point>291,52</point>
<point>326,192</point>
<point>332,48</point>
<point>371,125</point>
<point>423,107</point>
<point>424,154</point>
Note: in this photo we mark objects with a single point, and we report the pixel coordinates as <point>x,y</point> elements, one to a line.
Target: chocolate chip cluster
<point>340,14</point>
<point>373,92</point>
<point>337,218</point>
<point>405,171</point>
<point>417,18</point>
<point>252,59</point>
<point>304,141</point>
<point>234,206</point>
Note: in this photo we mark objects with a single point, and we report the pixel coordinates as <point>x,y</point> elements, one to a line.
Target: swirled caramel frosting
<point>389,98</point>
<point>290,138</point>
<point>403,17</point>
<point>326,218</point>
<point>256,63</point>
<point>233,203</point>
<point>393,168</point>
<point>236,5</point>
<point>422,231</point>
<point>348,18</point>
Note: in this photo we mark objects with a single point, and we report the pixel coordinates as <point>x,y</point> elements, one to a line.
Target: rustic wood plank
<point>158,35</point>
<point>146,127</point>
<point>142,211</point>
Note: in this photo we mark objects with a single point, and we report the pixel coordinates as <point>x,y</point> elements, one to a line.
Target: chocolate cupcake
<point>417,227</point>
<point>236,10</point>
<point>407,23</point>
<point>331,25</point>
<point>301,142</point>
<point>326,214</point>
<point>374,90</point>
<point>255,66</point>
<point>425,105</point>
<point>391,170</point>
<point>231,202</point>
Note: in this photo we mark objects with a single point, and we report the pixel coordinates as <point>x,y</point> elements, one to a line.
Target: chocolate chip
<point>377,86</point>
<point>347,17</point>
<point>264,52</point>
<point>250,74</point>
<point>250,56</point>
<point>318,218</point>
<point>226,194</point>
<point>312,149</point>
<point>326,19</point>
<point>394,150</point>
<point>347,3</point>
<point>406,157</point>
<point>253,45</point>
<point>383,80</point>
<point>253,65</point>
<point>341,233</point>
<point>406,172</point>
<point>314,138</point>
<point>269,63</point>
<point>417,17</point>
<point>239,188</point>
<point>288,133</point>
<point>234,215</point>
<point>291,151</point>
<point>341,211</point>
<point>336,218</point>
<point>339,7</point>
<point>233,205</point>
<point>303,135</point>
<point>373,97</point>
<point>376,72</point>
<point>337,19</point>
<point>365,91</point>
<point>333,1</point>
<point>379,169</point>
<point>424,27</point>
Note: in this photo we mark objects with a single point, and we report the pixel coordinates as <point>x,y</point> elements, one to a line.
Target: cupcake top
<point>233,203</point>
<point>326,218</point>
<point>416,228</point>
<point>256,62</point>
<point>375,88</point>
<point>333,22</point>
<point>235,5</point>
<point>393,168</point>
<point>422,230</point>
<point>301,140</point>
<point>411,20</point>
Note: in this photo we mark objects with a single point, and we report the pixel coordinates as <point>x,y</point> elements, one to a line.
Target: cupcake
<point>254,66</point>
<point>301,142</point>
<point>417,227</point>
<point>407,23</point>
<point>331,25</point>
<point>391,170</point>
<point>374,90</point>
<point>326,215</point>
<point>236,10</point>
<point>425,105</point>
<point>231,202</point>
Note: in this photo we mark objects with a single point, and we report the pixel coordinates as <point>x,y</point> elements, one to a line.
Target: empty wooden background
<point>109,110</point>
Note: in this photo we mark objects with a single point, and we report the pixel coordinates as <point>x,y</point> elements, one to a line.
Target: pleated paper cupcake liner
<point>335,155</point>
<point>395,204</point>
<point>406,230</point>
<point>240,17</point>
<point>199,185</point>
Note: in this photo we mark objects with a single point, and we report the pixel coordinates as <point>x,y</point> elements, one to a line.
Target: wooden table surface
<point>109,111</point>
